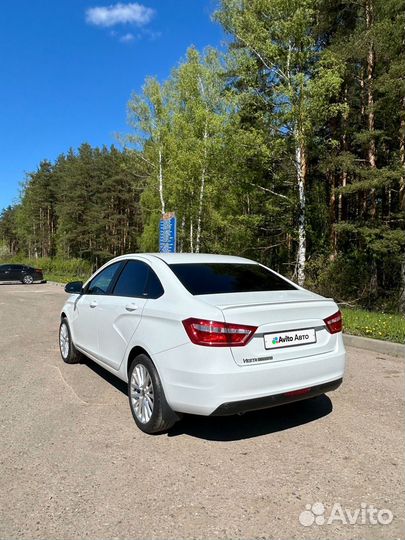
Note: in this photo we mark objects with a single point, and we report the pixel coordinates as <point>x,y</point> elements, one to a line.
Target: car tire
<point>147,401</point>
<point>68,352</point>
<point>27,279</point>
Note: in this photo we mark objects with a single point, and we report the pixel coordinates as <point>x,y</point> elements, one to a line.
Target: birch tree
<point>281,35</point>
<point>197,123</point>
<point>149,116</point>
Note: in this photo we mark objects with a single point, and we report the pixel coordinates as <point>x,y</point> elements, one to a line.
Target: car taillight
<point>38,270</point>
<point>218,334</point>
<point>334,323</point>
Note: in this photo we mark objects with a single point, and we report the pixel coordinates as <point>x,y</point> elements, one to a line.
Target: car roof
<point>177,258</point>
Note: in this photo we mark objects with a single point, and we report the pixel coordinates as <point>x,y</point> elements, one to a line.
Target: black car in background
<point>20,272</point>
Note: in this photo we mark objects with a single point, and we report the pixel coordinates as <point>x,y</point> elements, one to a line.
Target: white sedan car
<point>203,334</point>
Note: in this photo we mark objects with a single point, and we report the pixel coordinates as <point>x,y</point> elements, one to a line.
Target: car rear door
<point>18,271</point>
<point>119,314</point>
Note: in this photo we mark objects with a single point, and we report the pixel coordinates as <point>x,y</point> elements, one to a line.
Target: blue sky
<point>68,67</point>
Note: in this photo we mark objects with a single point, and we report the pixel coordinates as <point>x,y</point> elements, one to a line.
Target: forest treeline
<point>287,147</point>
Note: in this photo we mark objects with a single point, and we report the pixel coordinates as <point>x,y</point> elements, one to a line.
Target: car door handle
<point>93,304</point>
<point>131,307</point>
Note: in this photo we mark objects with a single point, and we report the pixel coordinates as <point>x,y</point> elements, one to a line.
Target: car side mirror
<point>74,287</point>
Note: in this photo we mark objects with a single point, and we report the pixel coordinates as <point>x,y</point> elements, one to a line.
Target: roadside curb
<point>375,345</point>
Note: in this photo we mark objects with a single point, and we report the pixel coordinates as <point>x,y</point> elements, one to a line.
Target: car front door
<point>6,272</point>
<point>2,272</point>
<point>85,324</point>
<point>120,313</point>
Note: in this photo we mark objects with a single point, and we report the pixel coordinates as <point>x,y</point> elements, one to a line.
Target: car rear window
<point>217,278</point>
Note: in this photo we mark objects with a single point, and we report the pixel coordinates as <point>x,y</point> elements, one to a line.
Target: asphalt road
<point>73,464</point>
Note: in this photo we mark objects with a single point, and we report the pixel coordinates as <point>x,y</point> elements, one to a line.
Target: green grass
<point>384,326</point>
<point>63,278</point>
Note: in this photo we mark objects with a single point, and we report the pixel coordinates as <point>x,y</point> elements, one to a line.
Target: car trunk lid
<point>290,324</point>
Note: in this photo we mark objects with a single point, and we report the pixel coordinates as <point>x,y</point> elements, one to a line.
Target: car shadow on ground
<point>255,423</point>
<point>238,427</point>
<point>106,375</point>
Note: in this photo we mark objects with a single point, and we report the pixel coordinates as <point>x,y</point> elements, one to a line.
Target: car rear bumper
<point>235,407</point>
<point>205,381</point>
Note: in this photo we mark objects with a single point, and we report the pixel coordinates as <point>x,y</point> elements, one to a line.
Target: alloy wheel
<point>142,395</point>
<point>64,340</point>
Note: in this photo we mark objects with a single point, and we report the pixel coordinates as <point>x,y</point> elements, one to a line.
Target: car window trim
<point>113,282</point>
<point>126,261</point>
<point>293,285</point>
<point>108,291</point>
<point>146,293</point>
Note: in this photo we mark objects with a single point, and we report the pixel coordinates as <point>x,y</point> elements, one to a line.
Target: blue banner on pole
<point>167,233</point>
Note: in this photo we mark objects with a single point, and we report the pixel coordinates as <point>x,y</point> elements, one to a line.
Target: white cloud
<point>119,14</point>
<point>126,38</point>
